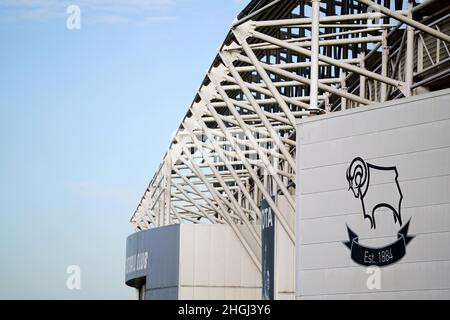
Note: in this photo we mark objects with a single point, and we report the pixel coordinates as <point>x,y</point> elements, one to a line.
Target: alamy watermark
<point>73,281</point>
<point>240,145</point>
<point>373,281</point>
<point>73,21</point>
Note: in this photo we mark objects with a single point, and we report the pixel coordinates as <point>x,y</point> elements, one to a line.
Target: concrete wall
<point>412,134</point>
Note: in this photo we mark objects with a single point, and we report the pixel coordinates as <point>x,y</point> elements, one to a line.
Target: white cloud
<point>98,11</point>
<point>37,14</point>
<point>160,18</point>
<point>110,19</point>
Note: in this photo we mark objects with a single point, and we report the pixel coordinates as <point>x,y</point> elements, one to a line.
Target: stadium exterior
<point>316,154</point>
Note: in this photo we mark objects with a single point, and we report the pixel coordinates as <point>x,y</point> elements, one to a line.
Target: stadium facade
<point>313,162</point>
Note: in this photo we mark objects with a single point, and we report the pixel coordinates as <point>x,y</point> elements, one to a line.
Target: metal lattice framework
<point>283,60</point>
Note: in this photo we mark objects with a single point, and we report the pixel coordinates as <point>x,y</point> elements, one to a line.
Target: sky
<point>85,117</point>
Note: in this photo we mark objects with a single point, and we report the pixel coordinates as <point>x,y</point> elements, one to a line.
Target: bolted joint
<point>404,88</point>
<point>176,149</point>
<point>228,57</point>
<point>191,124</point>
<point>233,47</point>
<point>217,75</point>
<point>317,111</point>
<point>198,110</point>
<point>208,93</point>
<point>244,31</point>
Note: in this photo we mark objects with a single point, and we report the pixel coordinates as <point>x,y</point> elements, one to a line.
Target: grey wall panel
<point>429,275</point>
<point>163,258</point>
<point>434,218</point>
<point>412,134</point>
<point>169,293</point>
<point>417,192</point>
<point>398,295</point>
<point>396,141</point>
<point>413,166</point>
<point>386,118</point>
<point>162,267</point>
<point>136,262</point>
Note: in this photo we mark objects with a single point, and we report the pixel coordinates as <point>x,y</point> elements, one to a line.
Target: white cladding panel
<point>411,134</point>
<point>215,265</point>
<point>284,255</point>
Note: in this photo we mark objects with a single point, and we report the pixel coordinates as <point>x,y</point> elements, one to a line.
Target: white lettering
<point>136,262</point>
<point>189,310</point>
<point>267,218</point>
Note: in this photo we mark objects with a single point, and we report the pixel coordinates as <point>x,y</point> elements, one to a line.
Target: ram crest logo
<point>378,190</point>
<point>358,177</point>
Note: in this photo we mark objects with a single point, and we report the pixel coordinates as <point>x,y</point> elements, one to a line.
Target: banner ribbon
<point>383,256</point>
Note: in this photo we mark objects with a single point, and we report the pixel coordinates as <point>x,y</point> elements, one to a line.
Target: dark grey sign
<point>152,261</point>
<point>137,259</point>
<point>268,250</point>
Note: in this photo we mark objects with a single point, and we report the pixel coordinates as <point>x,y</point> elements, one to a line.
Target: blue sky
<point>85,117</point>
